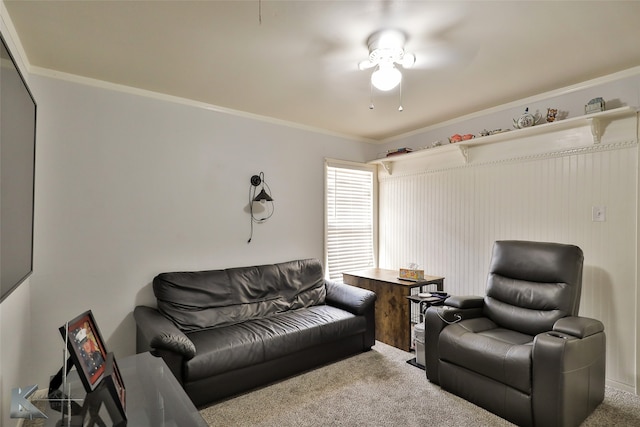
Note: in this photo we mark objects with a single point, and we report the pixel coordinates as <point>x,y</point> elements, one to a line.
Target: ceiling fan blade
<point>442,55</point>
<point>408,60</point>
<point>366,64</point>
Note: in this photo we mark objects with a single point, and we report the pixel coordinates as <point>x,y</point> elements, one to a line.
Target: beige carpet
<point>379,388</point>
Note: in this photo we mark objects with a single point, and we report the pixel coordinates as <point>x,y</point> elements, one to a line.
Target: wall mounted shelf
<point>596,123</point>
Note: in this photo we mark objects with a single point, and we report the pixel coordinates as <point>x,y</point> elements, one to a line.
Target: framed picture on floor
<point>86,348</point>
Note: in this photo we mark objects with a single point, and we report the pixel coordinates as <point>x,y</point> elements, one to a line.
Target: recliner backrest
<point>533,284</point>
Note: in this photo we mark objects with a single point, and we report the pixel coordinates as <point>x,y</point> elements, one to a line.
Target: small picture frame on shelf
<point>114,384</point>
<point>86,348</point>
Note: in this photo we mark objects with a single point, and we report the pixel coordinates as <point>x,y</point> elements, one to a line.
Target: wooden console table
<point>393,312</point>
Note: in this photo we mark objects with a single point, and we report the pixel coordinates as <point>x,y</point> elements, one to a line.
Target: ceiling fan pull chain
<point>400,106</point>
<point>371,106</point>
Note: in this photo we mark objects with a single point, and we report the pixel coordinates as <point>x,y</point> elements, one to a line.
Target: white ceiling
<point>297,60</point>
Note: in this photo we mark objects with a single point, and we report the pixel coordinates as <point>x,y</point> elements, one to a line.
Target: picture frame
<point>115,385</point>
<point>86,348</point>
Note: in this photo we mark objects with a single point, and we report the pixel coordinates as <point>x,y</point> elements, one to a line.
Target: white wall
<point>446,217</point>
<point>130,186</point>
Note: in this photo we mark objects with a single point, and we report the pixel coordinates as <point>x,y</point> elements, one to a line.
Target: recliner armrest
<point>436,319</point>
<point>577,326</point>
<point>158,332</point>
<point>464,301</point>
<point>350,298</point>
<point>568,371</point>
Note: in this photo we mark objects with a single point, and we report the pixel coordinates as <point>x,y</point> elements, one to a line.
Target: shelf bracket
<point>387,166</point>
<point>596,130</point>
<point>464,151</point>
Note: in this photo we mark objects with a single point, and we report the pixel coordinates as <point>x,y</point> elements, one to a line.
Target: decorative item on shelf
<point>457,138</point>
<point>551,114</point>
<point>526,120</point>
<point>431,145</point>
<point>263,199</point>
<point>594,106</point>
<point>493,132</point>
<point>397,151</point>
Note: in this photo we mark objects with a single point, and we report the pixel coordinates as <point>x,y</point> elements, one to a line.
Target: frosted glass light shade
<point>386,77</point>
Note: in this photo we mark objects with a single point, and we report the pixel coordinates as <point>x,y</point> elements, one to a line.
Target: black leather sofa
<point>223,332</point>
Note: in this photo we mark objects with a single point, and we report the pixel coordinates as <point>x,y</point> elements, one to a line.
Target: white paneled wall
<point>446,221</point>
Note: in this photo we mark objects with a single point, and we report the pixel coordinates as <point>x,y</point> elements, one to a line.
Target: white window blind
<point>350,214</point>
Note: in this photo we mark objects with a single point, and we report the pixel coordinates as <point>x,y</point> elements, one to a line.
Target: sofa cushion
<point>206,299</point>
<point>236,346</point>
<point>480,346</point>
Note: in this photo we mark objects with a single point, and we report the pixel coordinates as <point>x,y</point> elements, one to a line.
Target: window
<point>350,223</point>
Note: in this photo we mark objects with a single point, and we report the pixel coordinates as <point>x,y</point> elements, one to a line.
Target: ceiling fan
<point>386,50</point>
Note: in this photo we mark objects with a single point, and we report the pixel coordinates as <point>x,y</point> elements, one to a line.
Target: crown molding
<point>74,78</point>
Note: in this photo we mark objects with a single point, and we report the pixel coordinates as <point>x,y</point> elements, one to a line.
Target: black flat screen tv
<point>17,172</point>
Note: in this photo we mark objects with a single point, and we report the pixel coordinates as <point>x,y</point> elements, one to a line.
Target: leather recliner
<point>521,352</point>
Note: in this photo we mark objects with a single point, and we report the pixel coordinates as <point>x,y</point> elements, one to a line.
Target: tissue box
<point>409,274</point>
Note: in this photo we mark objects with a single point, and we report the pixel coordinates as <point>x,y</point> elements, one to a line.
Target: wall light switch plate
<point>598,213</point>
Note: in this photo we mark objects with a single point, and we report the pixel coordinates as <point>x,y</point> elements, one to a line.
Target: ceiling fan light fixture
<point>386,77</point>
<point>386,49</point>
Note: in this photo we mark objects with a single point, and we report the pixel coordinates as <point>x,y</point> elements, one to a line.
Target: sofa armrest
<point>350,298</point>
<point>156,332</point>
<point>358,301</point>
<point>577,326</point>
